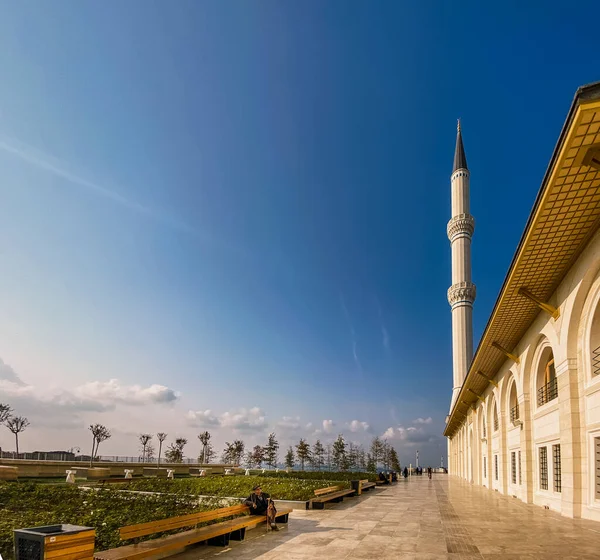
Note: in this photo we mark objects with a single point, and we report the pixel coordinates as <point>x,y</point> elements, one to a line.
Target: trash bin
<point>356,487</point>
<point>55,542</point>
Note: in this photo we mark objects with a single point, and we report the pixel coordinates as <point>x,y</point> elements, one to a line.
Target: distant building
<point>525,409</point>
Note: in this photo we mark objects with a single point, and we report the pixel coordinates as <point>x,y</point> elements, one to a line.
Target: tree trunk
<point>17,443</point>
<point>159,452</point>
<point>92,455</point>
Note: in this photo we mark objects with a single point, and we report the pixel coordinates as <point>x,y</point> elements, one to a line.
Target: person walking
<point>429,472</point>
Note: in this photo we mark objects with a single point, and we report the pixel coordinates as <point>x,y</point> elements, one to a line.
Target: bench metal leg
<point>221,540</point>
<point>338,500</point>
<point>238,535</point>
<point>318,505</point>
<point>282,518</point>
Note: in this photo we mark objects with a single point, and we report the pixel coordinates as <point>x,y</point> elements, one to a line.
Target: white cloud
<point>427,420</point>
<point>328,426</point>
<point>358,426</point>
<point>388,434</point>
<point>8,374</point>
<point>114,391</point>
<point>289,423</point>
<point>244,420</point>
<point>309,426</point>
<point>202,418</point>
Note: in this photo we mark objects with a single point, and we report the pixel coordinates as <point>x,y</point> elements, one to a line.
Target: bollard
<point>227,471</point>
<point>128,473</point>
<point>247,472</point>
<point>170,474</point>
<point>203,472</point>
<point>71,477</point>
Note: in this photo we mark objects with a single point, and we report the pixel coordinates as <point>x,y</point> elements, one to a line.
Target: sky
<point>232,215</point>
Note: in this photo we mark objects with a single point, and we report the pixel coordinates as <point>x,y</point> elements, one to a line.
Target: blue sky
<point>241,207</point>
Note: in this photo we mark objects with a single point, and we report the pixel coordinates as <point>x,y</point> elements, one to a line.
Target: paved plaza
<point>421,519</point>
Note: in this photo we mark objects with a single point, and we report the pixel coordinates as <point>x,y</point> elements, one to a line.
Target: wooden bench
<point>216,533</point>
<point>330,494</point>
<point>366,485</point>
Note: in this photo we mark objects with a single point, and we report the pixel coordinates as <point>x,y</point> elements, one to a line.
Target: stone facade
<point>534,431</point>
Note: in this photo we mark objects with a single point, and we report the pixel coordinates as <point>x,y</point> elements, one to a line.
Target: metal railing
<point>547,392</point>
<point>596,361</point>
<point>514,413</point>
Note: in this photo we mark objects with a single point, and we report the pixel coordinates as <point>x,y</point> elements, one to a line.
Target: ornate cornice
<point>463,224</point>
<point>462,292</point>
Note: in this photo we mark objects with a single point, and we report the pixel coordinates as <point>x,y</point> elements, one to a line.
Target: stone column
<point>527,459</point>
<point>572,442</point>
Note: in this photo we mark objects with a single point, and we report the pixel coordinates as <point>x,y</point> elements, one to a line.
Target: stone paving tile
<point>423,520</point>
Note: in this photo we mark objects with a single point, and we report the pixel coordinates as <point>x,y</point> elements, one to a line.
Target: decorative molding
<point>461,224</point>
<point>462,292</point>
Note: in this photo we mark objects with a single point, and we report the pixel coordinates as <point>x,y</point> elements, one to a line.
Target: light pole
<point>417,458</point>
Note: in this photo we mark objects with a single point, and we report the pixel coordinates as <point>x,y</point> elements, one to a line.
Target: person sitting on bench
<point>261,504</point>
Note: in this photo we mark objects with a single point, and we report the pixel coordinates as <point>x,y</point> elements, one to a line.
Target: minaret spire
<point>460,160</point>
<point>461,293</point>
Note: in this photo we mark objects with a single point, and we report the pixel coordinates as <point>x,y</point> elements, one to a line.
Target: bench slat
<point>333,495</point>
<point>151,527</point>
<point>180,540</point>
<point>321,491</point>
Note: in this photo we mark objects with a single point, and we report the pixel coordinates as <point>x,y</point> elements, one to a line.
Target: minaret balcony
<point>461,225</point>
<point>461,293</point>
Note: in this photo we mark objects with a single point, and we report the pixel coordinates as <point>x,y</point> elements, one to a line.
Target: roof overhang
<point>565,215</point>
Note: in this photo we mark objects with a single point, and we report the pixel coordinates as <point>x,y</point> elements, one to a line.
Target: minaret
<point>461,294</point>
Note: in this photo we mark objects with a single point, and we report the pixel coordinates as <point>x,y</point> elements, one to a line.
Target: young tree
<point>144,440</point>
<point>161,436</point>
<point>174,453</point>
<point>258,456</point>
<point>385,455</point>
<point>376,450</point>
<point>394,461</point>
<point>317,456</point>
<point>339,457</point>
<point>100,433</point>
<point>204,438</point>
<point>238,451</point>
<point>371,466</point>
<point>150,451</point>
<point>302,452</point>
<point>5,413</point>
<point>271,451</point>
<point>17,424</point>
<point>362,458</point>
<point>228,453</point>
<point>352,456</point>
<point>289,458</point>
<point>249,460</point>
<point>328,455</point>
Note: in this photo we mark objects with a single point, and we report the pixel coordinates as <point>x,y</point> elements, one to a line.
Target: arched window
<point>547,387</point>
<point>484,427</point>
<point>495,417</point>
<point>513,404</point>
<point>595,342</point>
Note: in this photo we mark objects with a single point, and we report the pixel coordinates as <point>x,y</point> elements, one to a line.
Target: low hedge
<point>27,504</point>
<point>322,475</point>
<point>281,488</point>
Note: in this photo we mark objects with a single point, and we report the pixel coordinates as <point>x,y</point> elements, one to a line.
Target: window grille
<point>484,428</point>
<point>513,466</point>
<point>543,468</point>
<point>597,469</point>
<point>514,413</point>
<point>520,468</point>
<point>485,467</point>
<point>596,361</point>
<point>495,419</point>
<point>496,465</point>
<point>556,464</point>
<point>547,392</point>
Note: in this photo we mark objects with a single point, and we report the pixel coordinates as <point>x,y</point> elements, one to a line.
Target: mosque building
<point>525,412</point>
